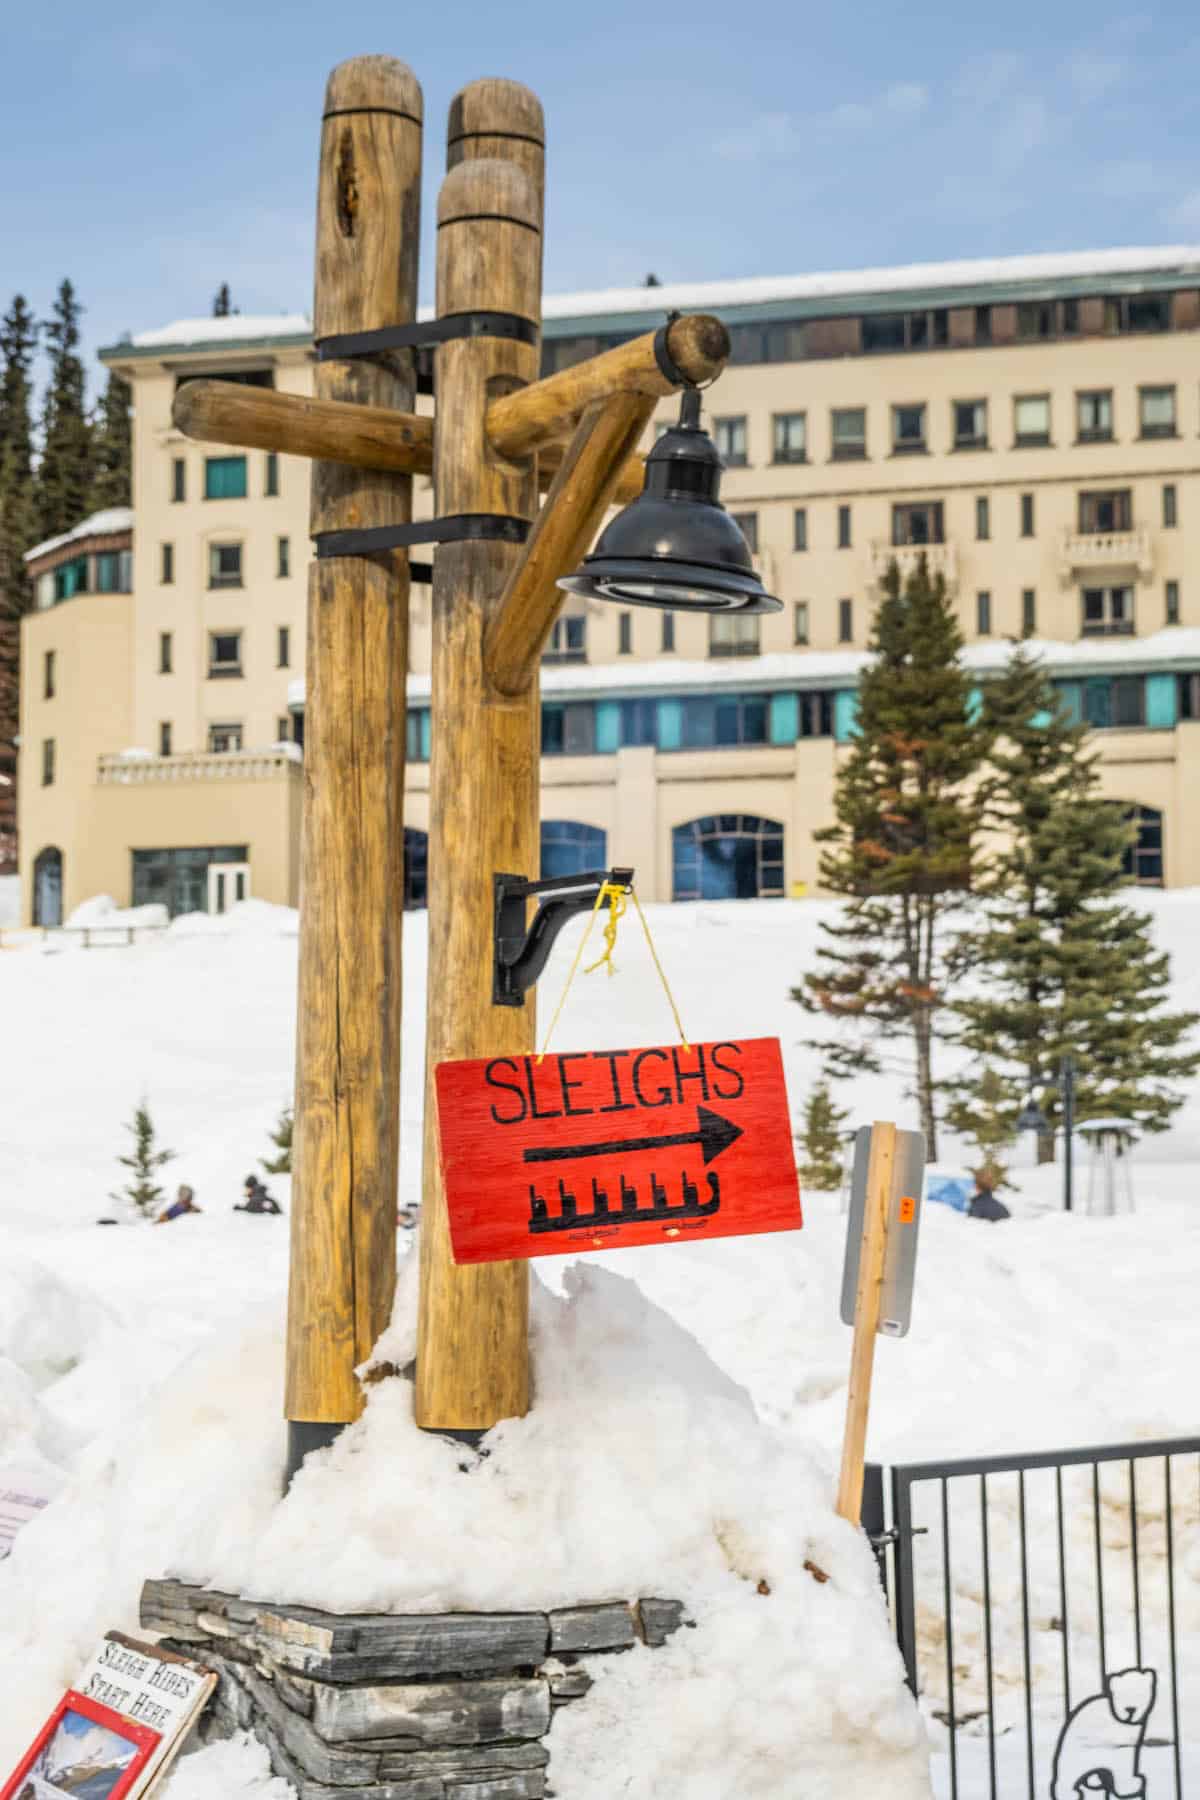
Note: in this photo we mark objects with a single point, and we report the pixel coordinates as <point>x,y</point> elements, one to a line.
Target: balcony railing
<point>1087,550</point>
<point>198,765</point>
<point>942,559</point>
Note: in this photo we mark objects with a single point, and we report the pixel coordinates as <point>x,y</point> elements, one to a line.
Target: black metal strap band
<point>456,529</point>
<point>662,355</point>
<point>427,334</point>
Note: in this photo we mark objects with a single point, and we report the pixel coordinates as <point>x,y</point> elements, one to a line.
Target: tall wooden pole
<point>472,1347</point>
<point>343,1264</point>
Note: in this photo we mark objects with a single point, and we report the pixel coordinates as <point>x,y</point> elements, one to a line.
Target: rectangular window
<point>178,879</point>
<point>283,728</point>
<point>1111,510</point>
<point>730,437</point>
<point>747,524</point>
<point>790,437</point>
<point>1107,612</point>
<point>800,622</point>
<point>1172,603</point>
<point>918,524</point>
<point>1145,312</point>
<point>283,647</point>
<point>1118,703</point>
<point>884,331</point>
<point>224,738</point>
<point>845,621</point>
<point>71,578</point>
<point>983,614</point>
<point>166,571</point>
<point>224,654</point>
<point>271,475</point>
<point>283,557</point>
<point>624,633</point>
<point>48,675</point>
<point>732,635</point>
<point>224,565</point>
<point>800,528</point>
<point>567,641</point>
<point>908,429</point>
<point>47,762</point>
<point>125,571</point>
<point>983,324</point>
<point>970,424</point>
<point>1094,416</point>
<point>668,631</point>
<point>848,432</point>
<point>108,572</point>
<point>569,730</point>
<point>816,715</point>
<point>724,723</point>
<point>1170,506</point>
<point>983,518</point>
<point>843,535</point>
<point>224,478</point>
<point>1031,420</point>
<point>1189,696</point>
<point>1036,319</point>
<point>1026,515</point>
<point>1028,611</point>
<point>178,478</point>
<point>164,653</point>
<point>164,738</point>
<point>638,723</point>
<point>1156,412</point>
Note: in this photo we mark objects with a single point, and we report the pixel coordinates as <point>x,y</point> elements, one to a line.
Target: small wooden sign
<point>602,1149</point>
<point>903,1224</point>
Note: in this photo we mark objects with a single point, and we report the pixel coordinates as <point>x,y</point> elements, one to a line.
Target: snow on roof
<point>232,328</point>
<point>113,518</point>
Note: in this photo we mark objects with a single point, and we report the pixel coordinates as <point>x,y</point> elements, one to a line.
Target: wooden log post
<point>472,1348</point>
<point>867,1298</point>
<point>343,1253</point>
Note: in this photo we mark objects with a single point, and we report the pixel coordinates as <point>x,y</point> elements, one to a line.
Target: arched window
<point>48,888</point>
<point>568,848</point>
<point>730,856</point>
<point>416,869</point>
<point>1144,857</point>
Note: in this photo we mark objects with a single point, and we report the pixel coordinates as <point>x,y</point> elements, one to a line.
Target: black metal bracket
<point>456,528</point>
<point>663,357</point>
<point>426,334</point>
<point>519,954</point>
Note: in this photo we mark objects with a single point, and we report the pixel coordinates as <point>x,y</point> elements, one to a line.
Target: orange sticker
<point>908,1210</point>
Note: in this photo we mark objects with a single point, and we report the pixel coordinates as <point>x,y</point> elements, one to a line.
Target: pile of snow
<point>247,918</point>
<point>10,900</point>
<point>102,910</point>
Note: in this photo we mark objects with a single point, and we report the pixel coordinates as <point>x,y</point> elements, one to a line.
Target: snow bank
<point>237,1770</point>
<point>10,900</point>
<point>103,910</point>
<point>250,918</point>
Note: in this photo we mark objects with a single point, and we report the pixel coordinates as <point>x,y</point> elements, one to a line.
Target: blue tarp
<point>950,1190</point>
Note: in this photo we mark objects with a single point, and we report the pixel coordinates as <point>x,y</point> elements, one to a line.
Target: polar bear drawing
<point>1100,1746</point>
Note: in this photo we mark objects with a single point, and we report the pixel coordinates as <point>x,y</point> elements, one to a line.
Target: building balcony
<point>1083,552</point>
<point>942,559</point>
<point>137,770</point>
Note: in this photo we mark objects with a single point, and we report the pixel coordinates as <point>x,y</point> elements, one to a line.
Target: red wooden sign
<point>600,1149</point>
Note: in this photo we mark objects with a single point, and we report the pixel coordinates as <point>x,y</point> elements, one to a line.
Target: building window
<point>166,572</point>
<point>908,429</point>
<point>983,614</point>
<point>164,738</point>
<point>48,675</point>
<point>918,524</point>
<point>1111,510</point>
<point>1026,515</point>
<point>668,631</point>
<point>283,647</point>
<point>800,622</point>
<point>726,722</point>
<point>1028,611</point>
<point>638,726</point>
<point>1156,412</point>
<point>845,621</point>
<point>1094,416</point>
<point>178,478</point>
<point>1114,703</point>
<point>1143,861</point>
<point>730,437</point>
<point>800,528</point>
<point>843,529</point>
<point>983,324</point>
<point>47,888</point>
<point>1140,312</point>
<point>970,424</point>
<point>730,857</point>
<point>848,432</point>
<point>624,634</point>
<point>569,730</point>
<point>416,732</point>
<point>224,478</point>
<point>1031,420</point>
<point>983,518</point>
<point>1189,696</point>
<point>224,565</point>
<point>1172,603</point>
<point>224,654</point>
<point>283,728</point>
<point>178,879</point>
<point>570,848</point>
<point>224,738</point>
<point>1107,612</point>
<point>71,578</point>
<point>567,641</point>
<point>164,652</point>
<point>125,571</point>
<point>271,475</point>
<point>1170,506</point>
<point>747,524</point>
<point>47,762</point>
<point>108,572</point>
<point>732,634</point>
<point>790,438</point>
<point>1036,319</point>
<point>283,557</point>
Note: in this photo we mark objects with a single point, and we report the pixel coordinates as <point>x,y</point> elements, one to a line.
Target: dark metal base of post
<point>304,1435</point>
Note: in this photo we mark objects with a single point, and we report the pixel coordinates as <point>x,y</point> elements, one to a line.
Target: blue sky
<point>151,152</point>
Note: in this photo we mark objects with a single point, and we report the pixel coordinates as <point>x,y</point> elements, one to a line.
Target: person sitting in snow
<point>983,1203</point>
<point>257,1198</point>
<point>184,1202</point>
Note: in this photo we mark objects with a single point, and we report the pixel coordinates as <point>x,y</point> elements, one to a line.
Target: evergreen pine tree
<point>902,850</point>
<point>982,1111</point>
<point>222,305</point>
<point>112,447</point>
<point>142,1190</point>
<point>281,1137</point>
<point>64,476</point>
<point>1060,961</point>
<point>18,341</point>
<point>822,1139</point>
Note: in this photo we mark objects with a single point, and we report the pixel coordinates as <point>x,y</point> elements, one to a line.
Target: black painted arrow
<point>714,1134</point>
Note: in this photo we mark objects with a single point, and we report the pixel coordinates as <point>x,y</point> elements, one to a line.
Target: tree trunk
<point>923,1032</point>
<point>1045,1147</point>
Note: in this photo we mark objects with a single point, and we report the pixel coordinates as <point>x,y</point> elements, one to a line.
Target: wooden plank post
<point>472,1347</point>
<point>343,1253</point>
<point>866,1318</point>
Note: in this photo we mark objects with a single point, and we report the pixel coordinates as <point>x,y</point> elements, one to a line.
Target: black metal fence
<point>1047,1608</point>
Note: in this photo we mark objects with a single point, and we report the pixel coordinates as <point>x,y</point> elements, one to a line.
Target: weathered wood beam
<point>571,515</point>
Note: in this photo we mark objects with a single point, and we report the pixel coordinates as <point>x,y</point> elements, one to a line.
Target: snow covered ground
<point>10,900</point>
<point>145,1364</point>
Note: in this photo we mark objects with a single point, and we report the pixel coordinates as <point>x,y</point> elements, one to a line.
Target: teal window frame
<point>225,478</point>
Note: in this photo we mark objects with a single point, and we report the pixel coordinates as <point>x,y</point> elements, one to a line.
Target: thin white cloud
<point>905,99</point>
<point>783,134</point>
<point>989,79</point>
<point>771,134</point>
<point>1093,74</point>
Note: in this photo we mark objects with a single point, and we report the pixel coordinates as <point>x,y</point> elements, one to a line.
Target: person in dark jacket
<point>184,1202</point>
<point>257,1198</point>
<point>983,1203</point>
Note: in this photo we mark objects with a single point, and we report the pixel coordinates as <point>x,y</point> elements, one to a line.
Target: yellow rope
<point>616,910</point>
<point>617,907</point>
<point>661,972</point>
<point>562,998</point>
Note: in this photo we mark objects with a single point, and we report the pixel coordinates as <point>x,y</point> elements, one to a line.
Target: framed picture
<point>85,1751</point>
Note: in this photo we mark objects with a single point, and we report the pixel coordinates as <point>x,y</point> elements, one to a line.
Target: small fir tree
<point>903,848</point>
<point>281,1137</point>
<point>821,1139</point>
<point>222,304</point>
<point>112,447</point>
<point>18,342</point>
<point>64,475</point>
<point>982,1111</point>
<point>142,1191</point>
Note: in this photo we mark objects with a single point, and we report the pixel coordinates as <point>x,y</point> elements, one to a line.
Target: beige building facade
<point>1032,426</point>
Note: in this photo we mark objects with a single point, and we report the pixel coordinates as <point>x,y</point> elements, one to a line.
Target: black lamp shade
<point>675,546</point>
<point>1032,1118</point>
